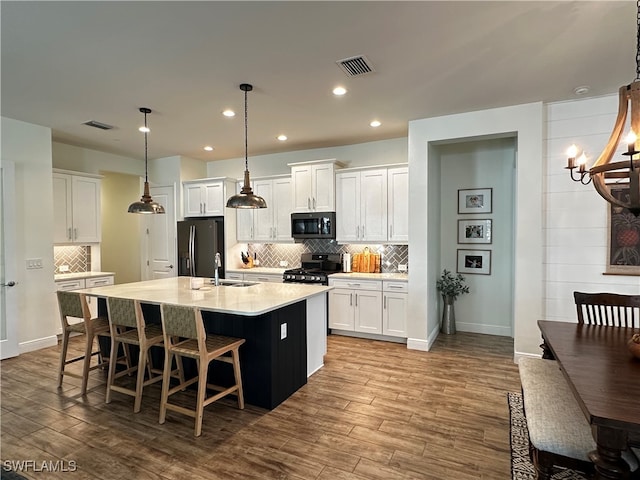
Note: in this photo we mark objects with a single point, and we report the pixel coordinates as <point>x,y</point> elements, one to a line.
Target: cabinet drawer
<point>99,282</point>
<point>356,284</point>
<point>234,276</point>
<point>256,277</point>
<point>70,284</point>
<point>391,286</point>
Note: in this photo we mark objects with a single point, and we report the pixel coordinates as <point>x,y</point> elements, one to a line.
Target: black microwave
<point>313,225</point>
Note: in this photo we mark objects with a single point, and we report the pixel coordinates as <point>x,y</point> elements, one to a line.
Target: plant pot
<point>448,325</point>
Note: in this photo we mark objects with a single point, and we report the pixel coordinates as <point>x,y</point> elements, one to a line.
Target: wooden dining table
<point>605,380</point>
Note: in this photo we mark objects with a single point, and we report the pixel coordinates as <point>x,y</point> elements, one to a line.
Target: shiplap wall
<point>575,216</point>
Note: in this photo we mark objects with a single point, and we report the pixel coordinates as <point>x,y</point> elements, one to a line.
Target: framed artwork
<point>474,231</point>
<point>623,238</point>
<point>474,262</point>
<point>476,200</point>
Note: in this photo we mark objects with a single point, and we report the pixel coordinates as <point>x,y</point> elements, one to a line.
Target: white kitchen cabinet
<point>263,277</point>
<point>234,276</point>
<point>271,224</point>
<point>88,282</point>
<point>206,197</point>
<point>394,308</point>
<point>313,186</point>
<point>76,208</point>
<point>361,206</point>
<point>398,202</point>
<point>356,305</point>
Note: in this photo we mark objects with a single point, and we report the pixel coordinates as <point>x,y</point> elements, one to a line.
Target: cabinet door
<point>348,207</point>
<point>368,311</point>
<point>341,309</point>
<point>193,200</point>
<point>214,201</point>
<point>323,188</point>
<point>62,210</point>
<point>263,217</point>
<point>398,214</point>
<point>301,186</point>
<point>87,225</point>
<point>244,220</point>
<point>373,205</point>
<point>394,314</point>
<point>282,203</point>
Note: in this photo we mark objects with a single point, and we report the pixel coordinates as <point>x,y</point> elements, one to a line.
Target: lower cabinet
<point>368,306</point>
<point>255,277</point>
<point>86,283</point>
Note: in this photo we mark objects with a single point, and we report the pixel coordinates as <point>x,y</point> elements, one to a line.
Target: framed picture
<point>474,231</point>
<point>476,200</point>
<point>623,238</point>
<point>474,262</point>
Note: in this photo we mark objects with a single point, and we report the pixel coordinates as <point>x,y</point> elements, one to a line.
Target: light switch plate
<point>283,331</point>
<point>34,263</point>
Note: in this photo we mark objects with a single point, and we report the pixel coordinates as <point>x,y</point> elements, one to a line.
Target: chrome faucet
<point>216,278</point>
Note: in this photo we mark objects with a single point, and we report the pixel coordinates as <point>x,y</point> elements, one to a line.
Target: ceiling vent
<point>101,126</point>
<point>355,66</point>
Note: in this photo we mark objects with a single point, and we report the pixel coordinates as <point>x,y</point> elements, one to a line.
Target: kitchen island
<point>284,326</point>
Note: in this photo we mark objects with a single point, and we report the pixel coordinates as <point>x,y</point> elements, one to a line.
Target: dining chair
<point>128,327</point>
<point>610,309</point>
<point>74,305</point>
<point>184,336</point>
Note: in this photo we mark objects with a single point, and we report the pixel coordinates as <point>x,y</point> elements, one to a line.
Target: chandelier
<point>617,182</point>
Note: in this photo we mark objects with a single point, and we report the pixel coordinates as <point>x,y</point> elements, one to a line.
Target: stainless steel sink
<point>232,283</point>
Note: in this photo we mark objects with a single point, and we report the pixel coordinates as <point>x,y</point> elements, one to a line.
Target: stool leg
<point>142,359</point>
<point>86,364</point>
<point>202,392</point>
<point>112,368</point>
<point>166,376</point>
<point>236,372</point>
<point>63,356</point>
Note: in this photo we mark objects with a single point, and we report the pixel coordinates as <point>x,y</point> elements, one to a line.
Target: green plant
<point>451,285</point>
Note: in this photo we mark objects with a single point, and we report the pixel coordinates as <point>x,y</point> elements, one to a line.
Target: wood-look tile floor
<point>375,411</point>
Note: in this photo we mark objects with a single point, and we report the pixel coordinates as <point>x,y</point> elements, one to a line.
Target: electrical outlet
<point>402,267</point>
<point>64,268</point>
<point>283,331</point>
<point>34,263</point>
<point>284,263</point>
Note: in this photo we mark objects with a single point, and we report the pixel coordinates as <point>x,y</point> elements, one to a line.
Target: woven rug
<point>521,466</point>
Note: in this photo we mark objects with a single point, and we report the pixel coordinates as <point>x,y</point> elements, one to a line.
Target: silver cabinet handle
<point>314,203</point>
<point>357,231</point>
<point>356,299</point>
<point>309,203</point>
<point>391,230</point>
<point>100,282</point>
<point>384,302</point>
<point>395,286</point>
<point>354,284</point>
<point>350,299</point>
<point>69,234</point>
<point>363,232</point>
<point>75,233</point>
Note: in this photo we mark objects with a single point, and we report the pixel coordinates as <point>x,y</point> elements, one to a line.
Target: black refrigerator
<point>199,239</point>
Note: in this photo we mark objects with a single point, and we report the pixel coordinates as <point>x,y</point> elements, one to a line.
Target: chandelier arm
<point>609,150</point>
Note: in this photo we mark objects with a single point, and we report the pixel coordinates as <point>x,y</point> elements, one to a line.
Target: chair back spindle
<point>609,309</point>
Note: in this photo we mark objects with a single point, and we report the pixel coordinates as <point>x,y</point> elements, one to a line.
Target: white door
<point>161,239</point>
<point>8,287</point>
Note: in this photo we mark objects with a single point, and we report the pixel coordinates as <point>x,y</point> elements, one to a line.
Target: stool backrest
<point>72,304</point>
<point>123,312</point>
<point>179,321</point>
<point>611,309</point>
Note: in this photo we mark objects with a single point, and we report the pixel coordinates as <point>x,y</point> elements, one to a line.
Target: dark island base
<point>272,368</point>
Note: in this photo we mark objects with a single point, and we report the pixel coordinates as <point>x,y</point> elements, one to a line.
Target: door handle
<point>169,266</point>
<point>9,284</point>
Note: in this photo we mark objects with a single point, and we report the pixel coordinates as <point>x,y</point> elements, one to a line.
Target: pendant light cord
<point>638,44</point>
<point>246,134</point>
<point>146,129</point>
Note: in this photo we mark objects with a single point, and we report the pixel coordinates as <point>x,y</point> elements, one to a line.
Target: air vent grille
<point>100,125</point>
<point>355,66</point>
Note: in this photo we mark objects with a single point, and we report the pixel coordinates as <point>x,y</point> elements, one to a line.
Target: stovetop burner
<point>316,267</point>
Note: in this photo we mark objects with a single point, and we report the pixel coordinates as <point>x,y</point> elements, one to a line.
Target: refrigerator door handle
<point>192,241</point>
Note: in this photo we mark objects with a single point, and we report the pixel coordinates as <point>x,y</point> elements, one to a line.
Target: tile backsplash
<point>77,258</point>
<point>270,255</point>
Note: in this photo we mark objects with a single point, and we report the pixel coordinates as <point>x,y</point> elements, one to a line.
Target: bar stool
<point>74,305</point>
<point>128,327</point>
<point>186,323</point>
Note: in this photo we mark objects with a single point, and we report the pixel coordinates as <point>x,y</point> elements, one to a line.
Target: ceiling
<point>65,63</point>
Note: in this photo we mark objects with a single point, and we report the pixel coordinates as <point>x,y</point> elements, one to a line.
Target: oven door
<point>313,225</point>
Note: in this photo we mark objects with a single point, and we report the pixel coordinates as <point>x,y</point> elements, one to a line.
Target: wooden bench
<point>559,433</point>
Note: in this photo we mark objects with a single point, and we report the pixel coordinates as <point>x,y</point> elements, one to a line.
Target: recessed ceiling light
<point>375,123</point>
<point>581,90</point>
<point>339,91</point>
<point>208,148</point>
<point>282,138</point>
<point>229,113</point>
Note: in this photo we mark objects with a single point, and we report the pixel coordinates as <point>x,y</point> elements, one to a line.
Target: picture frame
<point>474,262</point>
<point>475,231</point>
<point>623,230</point>
<point>475,200</point>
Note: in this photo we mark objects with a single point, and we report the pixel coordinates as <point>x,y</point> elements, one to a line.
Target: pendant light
<point>246,198</point>
<point>146,205</point>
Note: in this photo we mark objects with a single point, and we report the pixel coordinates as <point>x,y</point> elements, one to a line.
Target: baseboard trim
<point>418,344</point>
<point>370,336</point>
<point>37,344</point>
<point>486,329</point>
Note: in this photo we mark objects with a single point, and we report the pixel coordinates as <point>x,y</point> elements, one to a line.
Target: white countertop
<point>59,277</point>
<point>249,301</point>
<point>400,277</point>
<point>259,270</point>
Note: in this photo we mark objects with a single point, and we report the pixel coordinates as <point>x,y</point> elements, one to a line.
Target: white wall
<point>526,123</point>
<point>575,227</point>
<point>78,159</point>
<point>29,148</point>
<point>488,307</point>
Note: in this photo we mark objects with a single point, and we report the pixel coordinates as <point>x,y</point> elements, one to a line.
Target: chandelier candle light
<point>146,205</point>
<point>624,175</point>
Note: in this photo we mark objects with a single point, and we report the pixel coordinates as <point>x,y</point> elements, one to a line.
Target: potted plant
<point>450,286</point>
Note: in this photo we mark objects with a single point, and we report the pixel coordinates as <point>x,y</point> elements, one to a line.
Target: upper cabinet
<point>271,224</point>
<point>206,197</point>
<point>313,186</point>
<point>372,205</point>
<point>76,208</point>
